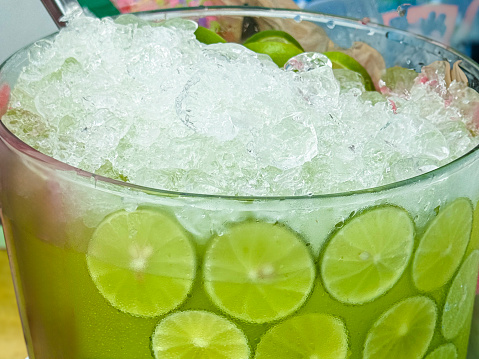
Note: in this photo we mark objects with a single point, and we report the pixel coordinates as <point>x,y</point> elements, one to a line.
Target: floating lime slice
<point>198,335</point>
<point>460,299</point>
<point>366,257</point>
<point>442,246</point>
<point>142,262</point>
<point>340,60</point>
<point>274,36</point>
<point>446,351</point>
<point>207,36</point>
<point>258,272</point>
<point>403,332</point>
<point>280,52</point>
<point>306,336</point>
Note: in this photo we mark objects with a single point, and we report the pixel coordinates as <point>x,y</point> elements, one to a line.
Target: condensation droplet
<point>402,9</point>
<point>364,256</point>
<point>395,36</point>
<point>330,24</point>
<point>365,20</point>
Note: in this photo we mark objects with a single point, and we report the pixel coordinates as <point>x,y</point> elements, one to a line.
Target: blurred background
<point>452,22</point>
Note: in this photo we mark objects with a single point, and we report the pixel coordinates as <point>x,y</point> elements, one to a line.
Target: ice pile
<point>153,106</point>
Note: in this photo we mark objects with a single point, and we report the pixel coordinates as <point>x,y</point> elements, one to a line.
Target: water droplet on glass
<point>364,256</point>
<point>365,20</point>
<point>402,9</point>
<point>371,32</point>
<point>298,18</point>
<point>307,61</point>
<point>395,36</point>
<point>330,24</point>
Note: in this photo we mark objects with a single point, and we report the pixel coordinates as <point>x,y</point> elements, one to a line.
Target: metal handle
<point>59,8</point>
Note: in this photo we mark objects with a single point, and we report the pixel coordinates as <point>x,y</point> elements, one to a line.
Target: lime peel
<point>274,36</point>
<point>279,52</point>
<point>207,36</point>
<point>340,60</point>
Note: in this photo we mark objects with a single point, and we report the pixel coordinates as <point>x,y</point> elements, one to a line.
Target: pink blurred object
<point>416,13</point>
<point>4,98</point>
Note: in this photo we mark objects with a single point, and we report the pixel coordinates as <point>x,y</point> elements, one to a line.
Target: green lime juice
<point>139,285</point>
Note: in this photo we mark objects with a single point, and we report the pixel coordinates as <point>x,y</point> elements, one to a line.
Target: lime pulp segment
<point>258,272</point>
<point>404,331</point>
<point>142,262</point>
<point>198,335</point>
<point>442,246</point>
<point>460,298</point>
<point>445,351</point>
<point>306,336</point>
<point>366,257</point>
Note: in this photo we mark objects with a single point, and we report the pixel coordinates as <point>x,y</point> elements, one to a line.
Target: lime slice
<point>279,52</point>
<point>207,36</point>
<point>460,298</point>
<point>142,262</point>
<point>258,272</point>
<point>198,335</point>
<point>274,36</point>
<point>442,246</point>
<point>446,351</point>
<point>366,257</point>
<point>340,60</point>
<point>305,336</point>
<point>404,331</point>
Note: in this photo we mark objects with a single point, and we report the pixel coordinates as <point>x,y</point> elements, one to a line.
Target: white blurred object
<point>21,23</point>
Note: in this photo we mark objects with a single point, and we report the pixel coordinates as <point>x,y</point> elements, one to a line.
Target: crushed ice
<point>153,106</point>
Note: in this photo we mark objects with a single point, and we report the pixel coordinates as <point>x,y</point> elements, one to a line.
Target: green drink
<point>105,268</point>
